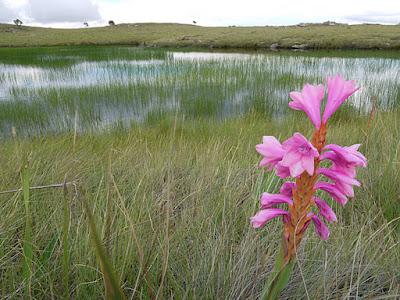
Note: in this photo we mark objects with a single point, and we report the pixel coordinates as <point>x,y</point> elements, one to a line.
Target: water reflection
<point>42,92</point>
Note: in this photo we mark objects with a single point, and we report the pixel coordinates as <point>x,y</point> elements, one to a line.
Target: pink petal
<point>338,175</point>
<point>345,189</point>
<point>309,101</point>
<point>296,169</point>
<point>333,191</point>
<point>287,188</point>
<point>290,158</point>
<point>348,170</point>
<point>272,151</point>
<point>348,154</point>
<point>325,210</point>
<point>338,92</point>
<point>320,228</point>
<point>282,171</point>
<point>266,162</point>
<point>263,216</point>
<point>308,164</point>
<point>268,200</point>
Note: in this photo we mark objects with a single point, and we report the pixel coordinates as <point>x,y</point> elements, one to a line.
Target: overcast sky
<point>72,13</point>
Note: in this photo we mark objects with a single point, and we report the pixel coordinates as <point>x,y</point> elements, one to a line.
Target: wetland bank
<point>160,143</point>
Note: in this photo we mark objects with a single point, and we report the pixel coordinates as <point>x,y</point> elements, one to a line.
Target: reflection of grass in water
<point>207,185</point>
<point>60,57</point>
<point>115,91</point>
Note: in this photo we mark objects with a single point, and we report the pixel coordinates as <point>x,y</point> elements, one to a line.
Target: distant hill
<point>303,36</point>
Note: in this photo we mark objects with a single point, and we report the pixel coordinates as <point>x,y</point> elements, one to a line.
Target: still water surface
<point>49,90</point>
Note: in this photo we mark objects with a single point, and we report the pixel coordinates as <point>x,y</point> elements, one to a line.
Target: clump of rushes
<point>300,159</point>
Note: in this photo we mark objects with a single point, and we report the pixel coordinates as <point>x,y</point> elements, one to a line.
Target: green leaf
<point>27,241</point>
<point>112,287</point>
<point>48,251</point>
<point>65,246</point>
<point>279,277</point>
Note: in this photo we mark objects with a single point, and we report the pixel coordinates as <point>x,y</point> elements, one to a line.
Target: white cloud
<point>249,12</point>
<point>376,17</point>
<point>6,13</point>
<point>55,11</point>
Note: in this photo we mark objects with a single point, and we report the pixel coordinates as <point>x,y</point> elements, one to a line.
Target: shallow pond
<point>51,90</point>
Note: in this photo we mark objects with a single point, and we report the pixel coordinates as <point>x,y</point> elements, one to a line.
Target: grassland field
<point>317,36</point>
<point>171,202</point>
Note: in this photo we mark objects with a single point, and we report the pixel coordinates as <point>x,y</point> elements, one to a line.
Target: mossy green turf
<point>159,34</point>
<point>186,190</point>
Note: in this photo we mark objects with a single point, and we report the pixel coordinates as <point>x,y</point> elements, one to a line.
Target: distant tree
<point>17,22</point>
<point>86,24</point>
<point>111,23</point>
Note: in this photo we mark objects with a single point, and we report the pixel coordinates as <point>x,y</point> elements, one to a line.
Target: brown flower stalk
<point>302,201</point>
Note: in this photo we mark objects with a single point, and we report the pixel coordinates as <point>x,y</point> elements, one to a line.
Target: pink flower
<point>344,155</point>
<point>264,215</point>
<point>338,91</point>
<point>299,155</point>
<point>268,200</point>
<point>287,188</point>
<point>309,101</point>
<point>320,227</point>
<point>272,151</point>
<point>325,210</point>
<point>333,191</point>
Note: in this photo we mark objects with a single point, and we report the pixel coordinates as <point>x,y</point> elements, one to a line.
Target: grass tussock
<point>171,202</point>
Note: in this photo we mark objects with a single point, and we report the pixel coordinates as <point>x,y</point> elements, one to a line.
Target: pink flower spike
<point>333,191</point>
<point>338,92</point>
<point>309,100</point>
<point>263,216</point>
<point>299,155</point>
<point>350,155</point>
<point>325,210</point>
<point>287,188</point>
<point>269,200</point>
<point>339,176</point>
<point>320,228</point>
<point>272,151</point>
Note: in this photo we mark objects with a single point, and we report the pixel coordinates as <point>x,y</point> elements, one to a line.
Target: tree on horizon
<point>17,22</point>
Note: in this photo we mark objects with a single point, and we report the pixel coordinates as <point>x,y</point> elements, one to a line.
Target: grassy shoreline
<point>179,35</point>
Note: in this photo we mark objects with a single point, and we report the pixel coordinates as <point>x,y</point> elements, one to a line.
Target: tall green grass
<point>176,196</point>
